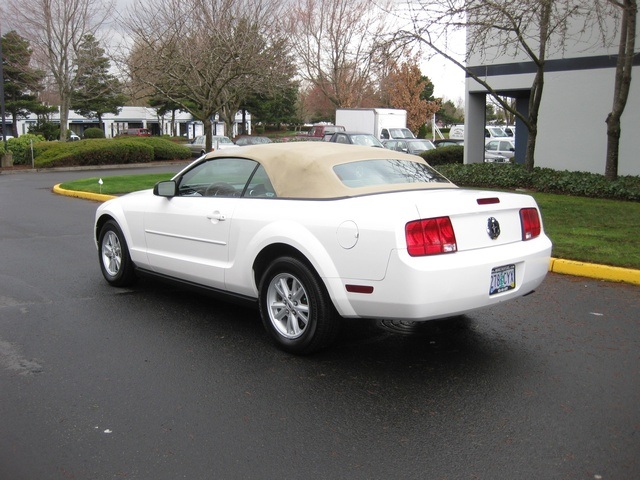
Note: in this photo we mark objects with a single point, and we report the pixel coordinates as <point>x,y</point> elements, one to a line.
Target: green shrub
<point>93,133</point>
<point>163,149</point>
<point>444,155</point>
<point>547,180</point>
<point>21,147</point>
<point>123,150</point>
<point>93,152</point>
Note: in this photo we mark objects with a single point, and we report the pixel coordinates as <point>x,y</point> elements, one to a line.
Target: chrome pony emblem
<point>493,228</point>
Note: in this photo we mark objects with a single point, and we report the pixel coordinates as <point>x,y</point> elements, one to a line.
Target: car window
<point>493,146</point>
<point>367,173</point>
<point>260,185</point>
<point>341,138</point>
<point>505,146</point>
<point>217,177</point>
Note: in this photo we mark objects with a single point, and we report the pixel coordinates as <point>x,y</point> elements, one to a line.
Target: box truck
<point>384,123</point>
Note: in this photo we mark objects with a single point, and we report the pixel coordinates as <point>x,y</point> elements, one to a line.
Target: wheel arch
<point>107,216</point>
<point>323,267</point>
<point>100,222</point>
<point>273,251</point>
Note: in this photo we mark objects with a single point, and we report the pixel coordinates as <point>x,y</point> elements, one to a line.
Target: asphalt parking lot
<point>156,382</point>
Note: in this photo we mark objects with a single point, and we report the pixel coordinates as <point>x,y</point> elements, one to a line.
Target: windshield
<point>421,146</point>
<point>497,132</point>
<point>400,133</point>
<point>366,140</point>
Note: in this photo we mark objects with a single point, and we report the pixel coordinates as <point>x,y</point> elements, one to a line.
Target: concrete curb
<point>556,265</point>
<point>96,197</point>
<point>590,270</point>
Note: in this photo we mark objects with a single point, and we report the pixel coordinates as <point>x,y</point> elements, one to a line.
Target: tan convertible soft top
<point>305,169</point>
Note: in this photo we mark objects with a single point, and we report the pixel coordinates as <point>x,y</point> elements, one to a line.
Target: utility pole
<point>4,122</point>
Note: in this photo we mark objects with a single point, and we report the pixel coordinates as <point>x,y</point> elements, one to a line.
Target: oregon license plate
<point>502,279</point>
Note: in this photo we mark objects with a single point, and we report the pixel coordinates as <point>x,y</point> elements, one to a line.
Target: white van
<point>492,132</point>
<point>457,132</point>
<point>510,130</point>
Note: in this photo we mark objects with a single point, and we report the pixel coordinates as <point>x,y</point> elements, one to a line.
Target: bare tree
<point>624,65</point>
<point>336,42</point>
<point>200,54</point>
<point>533,28</point>
<point>55,29</point>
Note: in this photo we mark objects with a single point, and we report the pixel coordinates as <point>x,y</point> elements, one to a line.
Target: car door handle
<point>217,216</point>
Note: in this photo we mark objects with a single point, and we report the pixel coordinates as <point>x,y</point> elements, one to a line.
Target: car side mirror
<point>166,188</point>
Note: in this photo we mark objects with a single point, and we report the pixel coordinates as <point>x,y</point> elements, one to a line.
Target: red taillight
<point>430,237</point>
<point>530,221</point>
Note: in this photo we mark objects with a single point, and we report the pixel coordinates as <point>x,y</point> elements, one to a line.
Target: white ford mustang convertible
<point>315,232</point>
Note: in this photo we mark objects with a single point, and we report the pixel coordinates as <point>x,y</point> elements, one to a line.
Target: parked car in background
<point>448,142</point>
<point>414,146</point>
<point>502,146</point>
<point>495,158</point>
<point>490,131</point>
<point>318,132</point>
<point>314,232</point>
<point>136,132</point>
<point>218,142</point>
<point>356,138</point>
<point>489,157</point>
<point>495,132</point>
<point>73,137</point>
<point>251,140</point>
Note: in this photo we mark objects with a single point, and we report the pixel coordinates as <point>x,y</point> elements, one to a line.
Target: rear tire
<point>295,308</point>
<point>115,262</point>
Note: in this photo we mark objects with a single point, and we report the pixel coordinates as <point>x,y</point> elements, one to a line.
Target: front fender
<point>134,238</point>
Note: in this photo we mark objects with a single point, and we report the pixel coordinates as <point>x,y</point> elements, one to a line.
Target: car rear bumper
<point>427,288</point>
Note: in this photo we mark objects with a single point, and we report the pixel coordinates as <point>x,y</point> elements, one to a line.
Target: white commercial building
<point>577,97</point>
<point>142,117</point>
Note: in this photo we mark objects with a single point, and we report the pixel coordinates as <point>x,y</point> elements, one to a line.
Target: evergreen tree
<point>21,82</point>
<point>274,109</point>
<point>97,91</point>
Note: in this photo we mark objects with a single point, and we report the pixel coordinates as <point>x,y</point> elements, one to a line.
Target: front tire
<point>115,262</point>
<point>295,308</point>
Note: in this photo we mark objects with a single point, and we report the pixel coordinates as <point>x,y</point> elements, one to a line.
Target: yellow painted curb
<point>97,197</point>
<point>590,270</point>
